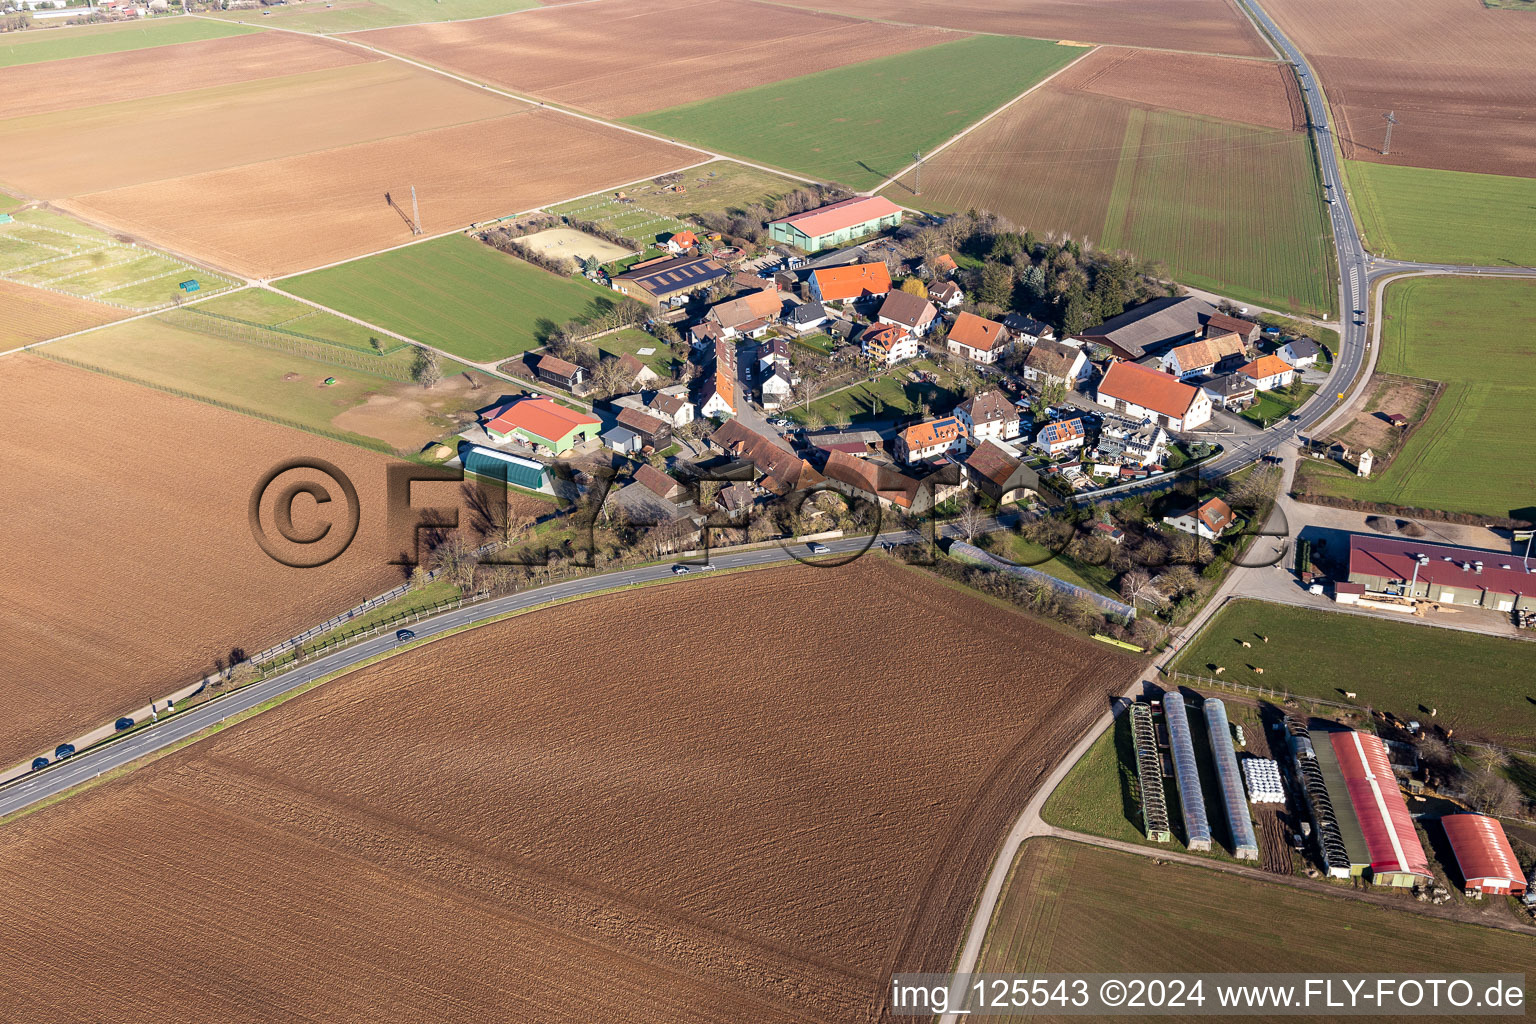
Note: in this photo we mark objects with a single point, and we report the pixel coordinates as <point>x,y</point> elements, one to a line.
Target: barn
<point>508,469</point>
<point>1483,854</point>
<point>1370,808</point>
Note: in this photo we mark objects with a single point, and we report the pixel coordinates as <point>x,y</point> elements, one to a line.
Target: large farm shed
<point>659,280</point>
<point>1233,797</point>
<point>1483,854</point>
<point>1337,854</point>
<point>1197,828</point>
<point>836,224</point>
<point>543,423</point>
<point>1373,817</point>
<point>1399,568</point>
<point>509,469</point>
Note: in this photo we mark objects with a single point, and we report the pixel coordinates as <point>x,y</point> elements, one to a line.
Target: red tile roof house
<point>747,314</point>
<point>1208,520</point>
<point>1062,436</point>
<point>1140,392</point>
<point>913,312</point>
<point>682,242</point>
<point>888,486</point>
<point>887,344</point>
<point>1268,372</point>
<point>978,339</point>
<point>853,283</point>
<point>930,439</point>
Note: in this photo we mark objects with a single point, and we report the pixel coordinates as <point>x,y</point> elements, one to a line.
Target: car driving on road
<point>818,548</point>
<point>402,635</point>
<point>681,570</point>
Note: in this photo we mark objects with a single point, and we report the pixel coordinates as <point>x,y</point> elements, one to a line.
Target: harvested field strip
<point>54,155</point>
<point>88,81</point>
<point>717,778</point>
<point>360,15</point>
<point>1411,213</point>
<point>858,125</point>
<point>1183,919</point>
<point>1317,654</point>
<point>34,315</point>
<point>61,44</point>
<point>154,572</point>
<point>287,215</point>
<point>1208,26</point>
<point>457,294</point>
<point>583,56</point>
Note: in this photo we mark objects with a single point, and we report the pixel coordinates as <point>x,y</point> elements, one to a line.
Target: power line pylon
<point>1391,118</point>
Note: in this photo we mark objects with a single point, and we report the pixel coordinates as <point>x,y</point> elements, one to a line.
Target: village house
<point>887,485</point>
<point>946,295</point>
<point>668,279</point>
<point>999,475</point>
<point>780,470</point>
<point>887,344</point>
<point>1301,353</point>
<point>836,224</point>
<point>559,372</point>
<point>681,242</point>
<point>1140,444</point>
<point>941,266</point>
<point>1206,520</point>
<point>1221,323</point>
<point>911,312</point>
<point>672,405</point>
<point>778,388</point>
<point>1052,362</point>
<point>717,395</point>
<point>544,424</point>
<point>622,440</point>
<point>771,353</point>
<point>1140,392</point>
<point>988,416</point>
<point>1232,391</point>
<point>654,497</point>
<point>978,339</point>
<point>929,439</point>
<point>804,317</point>
<point>1026,329</point>
<point>636,373</point>
<point>654,431</point>
<point>1151,327</point>
<point>1268,373</point>
<point>736,500</point>
<point>1061,436</point>
<point>748,315</point>
<point>853,283</point>
<point>1207,357</point>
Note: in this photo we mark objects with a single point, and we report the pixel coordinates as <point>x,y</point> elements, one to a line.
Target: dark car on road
<point>124,723</point>
<point>402,635</point>
<point>63,750</point>
<point>39,762</point>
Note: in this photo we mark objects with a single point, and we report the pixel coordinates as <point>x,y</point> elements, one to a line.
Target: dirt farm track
<point>740,813</point>
<point>128,562</point>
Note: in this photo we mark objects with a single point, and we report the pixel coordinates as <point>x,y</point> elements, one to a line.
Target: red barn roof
<point>841,215</point>
<point>1148,388</point>
<point>1390,838</point>
<point>853,281</point>
<point>540,417</point>
<point>1483,852</point>
<point>1394,558</point>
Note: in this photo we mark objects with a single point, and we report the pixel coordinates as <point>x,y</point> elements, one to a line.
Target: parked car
<point>681,570</point>
<point>124,723</point>
<point>39,762</point>
<point>63,750</point>
<point>818,548</point>
<point>402,635</point>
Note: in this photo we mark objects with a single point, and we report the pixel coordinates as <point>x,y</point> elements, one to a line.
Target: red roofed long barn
<point>836,224</point>
<point>543,423</point>
<point>1400,568</point>
<point>1396,855</point>
<point>1483,854</point>
<point>1140,392</point>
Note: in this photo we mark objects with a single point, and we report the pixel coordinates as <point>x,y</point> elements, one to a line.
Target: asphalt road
<point>83,767</point>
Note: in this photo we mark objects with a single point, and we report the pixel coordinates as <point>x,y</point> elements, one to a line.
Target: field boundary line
<point>941,147</point>
<point>113,323</point>
<point>455,21</point>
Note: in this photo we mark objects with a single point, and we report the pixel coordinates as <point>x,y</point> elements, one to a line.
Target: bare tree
<point>971,518</point>
<point>426,370</point>
<point>455,561</point>
<point>1138,587</point>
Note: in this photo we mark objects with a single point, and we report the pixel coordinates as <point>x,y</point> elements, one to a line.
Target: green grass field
<point>8,203</point>
<point>455,293</point>
<point>260,306</point>
<point>359,16</point>
<point>630,341</point>
<point>715,187</point>
<point>859,124</point>
<point>39,44</point>
<point>50,250</point>
<point>1475,335</point>
<point>1024,551</point>
<point>1271,405</point>
<point>1249,226</point>
<point>1481,685</point>
<point>1069,907</point>
<point>1413,213</point>
<point>889,395</point>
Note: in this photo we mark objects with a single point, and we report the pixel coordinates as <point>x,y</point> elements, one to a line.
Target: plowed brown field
<point>282,216</point>
<point>53,156</point>
<point>1457,74</point>
<point>32,314</point>
<point>135,75</point>
<point>1204,26</point>
<point>1254,92</point>
<point>703,802</point>
<point>617,59</point>
<point>128,564</point>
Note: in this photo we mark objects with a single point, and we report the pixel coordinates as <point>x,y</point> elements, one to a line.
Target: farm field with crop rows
<point>859,124</point>
<point>1464,459</point>
<point>455,293</point>
<point>704,840</point>
<point>31,314</point>
<point>1413,213</point>
<point>584,55</point>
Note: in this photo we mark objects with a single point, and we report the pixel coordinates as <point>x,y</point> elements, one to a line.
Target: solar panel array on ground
<point>1197,828</point>
<point>1244,844</point>
<point>1149,775</point>
<point>1330,840</point>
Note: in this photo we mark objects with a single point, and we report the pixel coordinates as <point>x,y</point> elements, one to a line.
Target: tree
<point>425,370</point>
<point>1078,314</point>
<point>1052,390</point>
<point>455,561</point>
<point>996,286</point>
<point>1178,581</point>
<point>971,517</point>
<point>915,286</point>
<point>378,346</point>
<point>1033,280</point>
<point>1138,588</point>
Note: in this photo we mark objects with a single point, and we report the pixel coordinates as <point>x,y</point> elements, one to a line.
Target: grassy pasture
<point>886,397</point>
<point>38,45</point>
<point>454,293</point>
<point>260,306</point>
<point>360,15</point>
<point>630,341</point>
<point>1474,334</point>
<point>1072,907</point>
<point>859,124</point>
<point>1415,213</point>
<point>715,187</point>
<point>1481,685</point>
